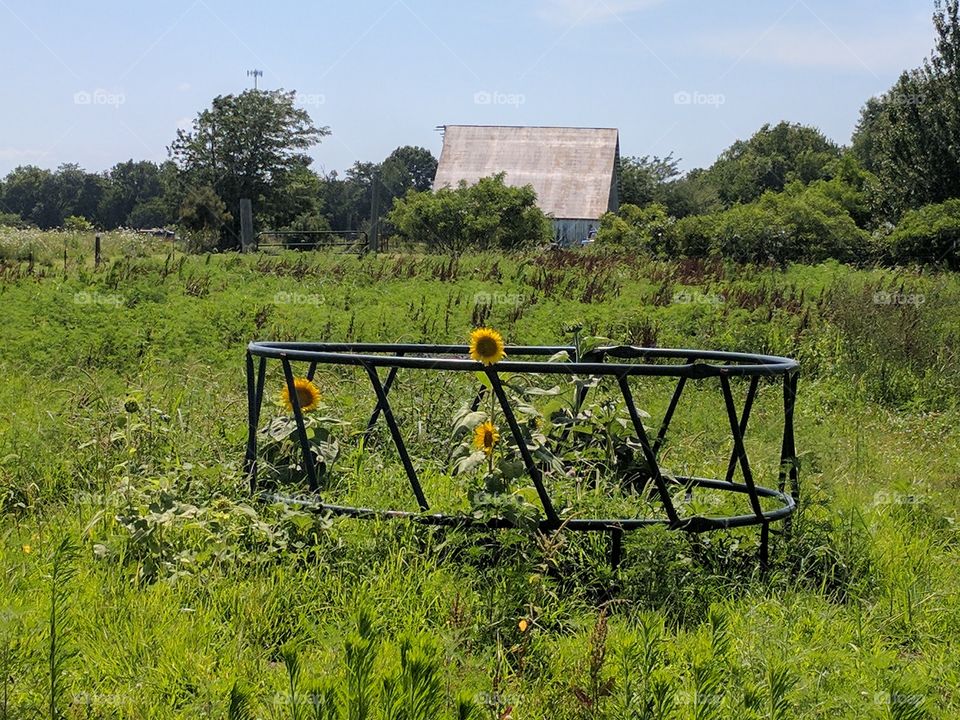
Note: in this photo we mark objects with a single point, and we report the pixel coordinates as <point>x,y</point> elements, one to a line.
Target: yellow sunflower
<point>485,436</point>
<point>486,346</point>
<point>308,395</point>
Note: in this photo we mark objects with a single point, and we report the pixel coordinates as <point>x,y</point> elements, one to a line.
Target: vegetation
<point>484,216</point>
<point>141,579</point>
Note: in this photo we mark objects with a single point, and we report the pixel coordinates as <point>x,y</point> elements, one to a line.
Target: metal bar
<point>397,438</point>
<point>668,417</point>
<point>528,460</point>
<point>312,370</point>
<point>738,446</point>
<point>376,410</point>
<point>744,419</point>
<point>254,404</point>
<point>301,429</point>
<point>648,451</point>
<point>616,547</point>
<point>251,454</point>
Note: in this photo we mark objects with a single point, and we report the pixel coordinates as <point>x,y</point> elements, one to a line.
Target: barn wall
<point>573,231</point>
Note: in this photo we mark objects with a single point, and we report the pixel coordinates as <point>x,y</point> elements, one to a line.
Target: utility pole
<point>255,74</point>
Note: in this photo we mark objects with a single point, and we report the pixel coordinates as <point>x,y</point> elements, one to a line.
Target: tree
<point>129,184</point>
<point>929,234</point>
<point>487,215</point>
<point>249,145</point>
<point>23,190</point>
<point>203,215</point>
<point>408,168</point>
<point>772,158</point>
<point>642,178</point>
<point>910,136</point>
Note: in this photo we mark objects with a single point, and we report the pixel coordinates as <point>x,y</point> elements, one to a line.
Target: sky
<point>103,81</point>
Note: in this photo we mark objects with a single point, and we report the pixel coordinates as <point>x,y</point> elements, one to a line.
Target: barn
<point>574,171</point>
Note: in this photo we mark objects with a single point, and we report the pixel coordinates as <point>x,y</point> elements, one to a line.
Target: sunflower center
<point>304,396</point>
<point>486,347</point>
<point>488,438</point>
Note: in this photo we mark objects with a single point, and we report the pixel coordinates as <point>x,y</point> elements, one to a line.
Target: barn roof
<point>571,169</point>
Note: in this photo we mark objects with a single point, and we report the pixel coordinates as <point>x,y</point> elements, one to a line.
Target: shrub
<point>635,227</point>
<point>801,223</point>
<point>13,220</point>
<point>929,234</point>
<point>77,223</point>
<point>484,216</point>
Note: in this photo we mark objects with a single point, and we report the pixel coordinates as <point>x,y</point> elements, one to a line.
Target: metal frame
<point>685,365</point>
<point>347,240</point>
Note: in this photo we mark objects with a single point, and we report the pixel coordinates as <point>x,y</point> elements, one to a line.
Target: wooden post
<point>373,237</point>
<point>246,225</point>
<point>96,251</point>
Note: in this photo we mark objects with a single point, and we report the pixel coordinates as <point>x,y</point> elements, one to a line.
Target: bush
<point>152,213</point>
<point>13,220</point>
<point>77,223</point>
<point>635,227</point>
<point>930,234</point>
<point>803,223</point>
<point>485,216</point>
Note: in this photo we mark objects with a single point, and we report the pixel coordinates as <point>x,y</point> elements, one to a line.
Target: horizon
<point>100,86</point>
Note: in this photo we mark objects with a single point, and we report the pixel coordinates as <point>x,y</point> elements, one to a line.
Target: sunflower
<point>308,395</point>
<point>485,436</point>
<point>486,346</point>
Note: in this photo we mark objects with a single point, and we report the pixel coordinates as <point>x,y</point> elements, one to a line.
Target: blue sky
<point>102,81</point>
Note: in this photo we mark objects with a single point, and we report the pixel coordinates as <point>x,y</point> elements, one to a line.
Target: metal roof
<point>572,170</point>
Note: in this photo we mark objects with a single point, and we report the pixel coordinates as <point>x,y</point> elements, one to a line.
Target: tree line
<point>788,193</point>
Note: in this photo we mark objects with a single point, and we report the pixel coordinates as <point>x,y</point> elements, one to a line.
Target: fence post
<point>96,251</point>
<point>246,225</point>
<point>373,238</point>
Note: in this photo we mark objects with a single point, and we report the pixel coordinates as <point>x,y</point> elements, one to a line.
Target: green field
<point>142,580</point>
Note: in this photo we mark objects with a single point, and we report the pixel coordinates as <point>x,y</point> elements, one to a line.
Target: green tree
<point>928,234</point>
<point>910,136</point>
<point>487,215</point>
<point>408,168</point>
<point>202,216</point>
<point>23,190</point>
<point>128,185</point>
<point>642,178</point>
<point>250,145</point>
<point>772,158</point>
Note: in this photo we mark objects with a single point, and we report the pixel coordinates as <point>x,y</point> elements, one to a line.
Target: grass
<point>141,580</point>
